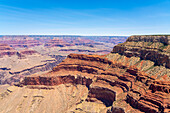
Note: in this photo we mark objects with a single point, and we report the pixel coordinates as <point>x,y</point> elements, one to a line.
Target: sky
<point>84,17</point>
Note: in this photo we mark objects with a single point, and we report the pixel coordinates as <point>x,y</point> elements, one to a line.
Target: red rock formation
<point>15,65</point>
<point>9,51</point>
<point>109,82</point>
<point>57,43</point>
<point>50,81</point>
<point>70,42</point>
<point>6,50</point>
<point>125,79</point>
<point>154,48</point>
<point>22,43</point>
<point>28,52</point>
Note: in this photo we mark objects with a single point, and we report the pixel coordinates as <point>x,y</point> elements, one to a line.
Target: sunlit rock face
<point>132,78</point>
<point>153,48</point>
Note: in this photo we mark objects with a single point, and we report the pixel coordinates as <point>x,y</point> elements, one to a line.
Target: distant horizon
<point>57,35</point>
<point>82,35</point>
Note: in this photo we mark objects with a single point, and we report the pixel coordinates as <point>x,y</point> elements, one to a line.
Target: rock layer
<point>6,50</point>
<point>17,65</point>
<point>112,82</point>
<point>154,48</point>
<point>126,80</point>
<point>57,43</point>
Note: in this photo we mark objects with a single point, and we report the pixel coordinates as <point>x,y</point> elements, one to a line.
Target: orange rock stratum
<point>133,78</point>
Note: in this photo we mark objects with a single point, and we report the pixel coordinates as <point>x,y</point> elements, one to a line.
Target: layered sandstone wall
<point>57,43</point>
<point>165,39</point>
<point>6,50</point>
<point>154,48</point>
<point>28,52</point>
<point>15,65</point>
<point>11,76</point>
<point>112,82</point>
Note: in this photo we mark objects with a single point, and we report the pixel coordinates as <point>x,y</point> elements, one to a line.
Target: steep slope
<point>154,48</point>
<point>41,99</point>
<point>125,80</point>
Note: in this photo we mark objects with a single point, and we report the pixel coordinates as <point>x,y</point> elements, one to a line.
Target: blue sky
<point>84,17</point>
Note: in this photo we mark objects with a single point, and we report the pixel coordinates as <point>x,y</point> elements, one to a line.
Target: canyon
<point>63,44</point>
<point>15,65</point>
<point>133,78</point>
<point>23,55</point>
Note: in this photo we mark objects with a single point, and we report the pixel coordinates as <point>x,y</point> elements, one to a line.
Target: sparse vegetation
<point>163,47</point>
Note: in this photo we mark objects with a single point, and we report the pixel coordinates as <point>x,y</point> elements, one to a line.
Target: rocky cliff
<point>6,50</point>
<point>28,52</point>
<point>134,77</point>
<point>153,48</point>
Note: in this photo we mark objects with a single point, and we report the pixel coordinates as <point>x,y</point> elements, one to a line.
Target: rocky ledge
<point>6,50</point>
<point>154,48</point>
<point>119,85</point>
<point>28,52</point>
